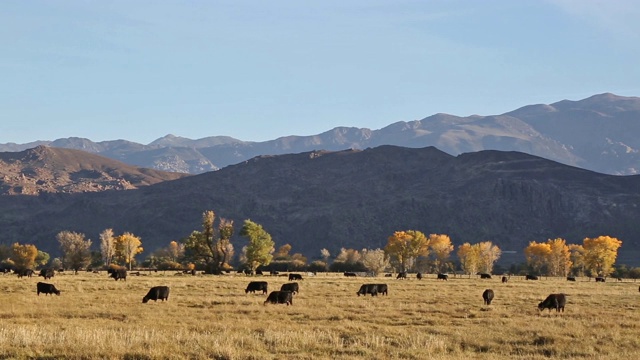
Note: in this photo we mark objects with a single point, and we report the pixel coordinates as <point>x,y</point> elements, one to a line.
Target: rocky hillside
<point>56,170</point>
<point>356,199</point>
<point>598,133</point>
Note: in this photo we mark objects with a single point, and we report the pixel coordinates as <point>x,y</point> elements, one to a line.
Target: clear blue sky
<point>258,70</point>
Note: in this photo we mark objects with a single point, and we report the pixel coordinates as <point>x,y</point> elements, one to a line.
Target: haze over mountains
<point>599,133</point>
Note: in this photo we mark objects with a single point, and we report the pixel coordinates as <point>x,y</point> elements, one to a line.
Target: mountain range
<point>354,199</point>
<point>598,133</point>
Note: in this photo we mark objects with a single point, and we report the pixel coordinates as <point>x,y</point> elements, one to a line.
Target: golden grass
<point>210,317</point>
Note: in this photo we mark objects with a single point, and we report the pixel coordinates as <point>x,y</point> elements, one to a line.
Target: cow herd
<point>286,292</point>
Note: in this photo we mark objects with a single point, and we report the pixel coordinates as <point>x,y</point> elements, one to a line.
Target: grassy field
<point>210,317</point>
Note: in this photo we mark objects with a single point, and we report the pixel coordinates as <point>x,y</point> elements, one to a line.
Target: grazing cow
<point>531,277</point>
<point>293,277</point>
<point>157,293</point>
<point>368,289</point>
<point>47,273</point>
<point>382,289</point>
<point>46,289</point>
<point>293,287</point>
<point>553,301</point>
<point>599,279</point>
<point>259,272</point>
<point>350,274</point>
<point>505,279</point>
<point>118,274</point>
<point>485,276</point>
<point>24,272</point>
<point>419,276</point>
<point>280,297</point>
<point>444,277</point>
<point>571,278</point>
<point>256,286</point>
<point>487,295</point>
<point>402,275</point>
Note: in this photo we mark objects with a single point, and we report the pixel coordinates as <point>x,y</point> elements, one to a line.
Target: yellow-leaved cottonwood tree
<point>537,255</point>
<point>23,256</point>
<point>552,257</point>
<point>600,254</point>
<point>127,247</point>
<point>441,248</point>
<point>559,260</point>
<point>469,256</point>
<point>406,246</point>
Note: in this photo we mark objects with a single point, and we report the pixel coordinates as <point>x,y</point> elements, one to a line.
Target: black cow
<point>118,274</point>
<point>419,276</point>
<point>553,301</point>
<point>256,286</point>
<point>46,289</point>
<point>350,274</point>
<point>388,275</point>
<point>505,279</point>
<point>368,289</point>
<point>295,277</point>
<point>382,289</point>
<point>259,272</point>
<point>444,277</point>
<point>293,287</point>
<point>530,277</point>
<point>487,295</point>
<point>24,272</point>
<point>571,278</point>
<point>485,276</point>
<point>402,275</point>
<point>157,293</point>
<point>599,279</point>
<point>280,297</point>
<point>47,273</point>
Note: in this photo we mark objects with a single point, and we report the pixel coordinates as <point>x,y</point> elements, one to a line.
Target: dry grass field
<point>210,317</point>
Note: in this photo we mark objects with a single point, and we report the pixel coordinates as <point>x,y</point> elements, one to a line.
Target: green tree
<point>211,246</point>
<point>42,258</point>
<point>76,253</point>
<point>260,248</point>
<point>406,246</point>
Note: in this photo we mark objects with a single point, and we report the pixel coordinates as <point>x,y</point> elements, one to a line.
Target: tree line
<point>210,249</point>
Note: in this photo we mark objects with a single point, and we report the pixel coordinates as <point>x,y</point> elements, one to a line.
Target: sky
<point>259,70</point>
